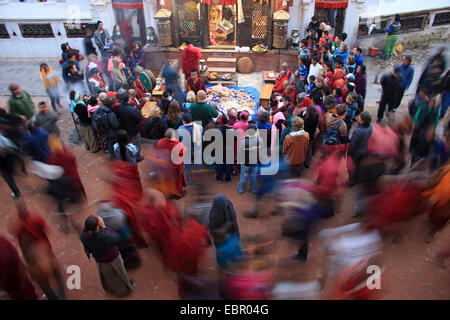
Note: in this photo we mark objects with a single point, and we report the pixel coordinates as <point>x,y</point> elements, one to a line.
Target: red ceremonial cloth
<point>331,4</point>
<point>127,4</point>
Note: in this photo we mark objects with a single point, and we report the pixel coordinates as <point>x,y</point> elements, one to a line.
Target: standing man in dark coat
<point>390,84</point>
<point>130,118</point>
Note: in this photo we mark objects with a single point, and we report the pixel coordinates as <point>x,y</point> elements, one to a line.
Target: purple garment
<point>361,84</point>
<point>110,256</point>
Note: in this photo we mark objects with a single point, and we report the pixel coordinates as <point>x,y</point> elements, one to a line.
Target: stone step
<point>224,83</point>
<point>222,69</point>
<point>221,59</point>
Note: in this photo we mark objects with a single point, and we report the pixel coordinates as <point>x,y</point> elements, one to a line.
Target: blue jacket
<point>35,144</point>
<point>394,28</point>
<point>64,73</point>
<point>360,140</point>
<point>407,74</point>
<point>351,110</point>
<point>342,54</point>
<point>359,60</point>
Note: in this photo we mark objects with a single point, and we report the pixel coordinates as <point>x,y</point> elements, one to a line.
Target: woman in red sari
<point>31,234</point>
<point>175,150</point>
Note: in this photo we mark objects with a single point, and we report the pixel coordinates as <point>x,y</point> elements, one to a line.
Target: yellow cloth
<point>440,193</point>
<point>53,81</point>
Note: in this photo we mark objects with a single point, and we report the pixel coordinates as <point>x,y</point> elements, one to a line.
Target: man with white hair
<point>202,111</point>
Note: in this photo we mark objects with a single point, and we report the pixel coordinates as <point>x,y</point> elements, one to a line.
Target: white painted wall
<point>374,8</point>
<point>300,15</point>
<point>55,12</point>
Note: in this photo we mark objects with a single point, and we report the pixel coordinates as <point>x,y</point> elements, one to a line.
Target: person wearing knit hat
<point>101,37</point>
<point>350,77</point>
<point>20,103</point>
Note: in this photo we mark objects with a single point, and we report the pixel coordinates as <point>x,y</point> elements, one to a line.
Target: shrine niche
<point>223,23</point>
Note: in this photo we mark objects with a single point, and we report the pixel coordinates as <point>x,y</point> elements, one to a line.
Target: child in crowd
<point>337,93</point>
<point>302,73</point>
<point>311,81</point>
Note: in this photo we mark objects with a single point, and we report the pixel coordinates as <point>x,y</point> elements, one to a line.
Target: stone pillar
<point>306,12</point>
<point>150,8</point>
<point>351,23</point>
<point>294,12</point>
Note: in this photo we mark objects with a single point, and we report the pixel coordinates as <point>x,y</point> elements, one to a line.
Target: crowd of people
<point>316,110</point>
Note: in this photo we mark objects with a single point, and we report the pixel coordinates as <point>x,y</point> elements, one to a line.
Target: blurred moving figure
<point>438,197</point>
<point>175,154</point>
<point>349,251</point>
<point>30,232</point>
<point>13,277</point>
<point>67,188</point>
<point>224,230</point>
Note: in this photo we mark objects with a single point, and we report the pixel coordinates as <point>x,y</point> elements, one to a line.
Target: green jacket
<point>22,106</point>
<point>204,112</point>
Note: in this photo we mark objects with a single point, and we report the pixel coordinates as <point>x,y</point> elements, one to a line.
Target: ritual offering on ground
<point>213,75</point>
<point>227,98</point>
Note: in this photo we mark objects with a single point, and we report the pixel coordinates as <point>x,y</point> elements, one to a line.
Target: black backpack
<point>360,102</point>
<point>333,136</point>
<point>100,120</point>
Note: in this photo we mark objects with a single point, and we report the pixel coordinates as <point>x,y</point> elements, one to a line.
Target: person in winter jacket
<point>295,146</point>
<point>390,85</point>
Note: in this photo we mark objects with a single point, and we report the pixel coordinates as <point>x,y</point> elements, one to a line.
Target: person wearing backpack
<point>336,133</point>
<point>249,158</point>
<point>106,124</point>
<point>130,119</point>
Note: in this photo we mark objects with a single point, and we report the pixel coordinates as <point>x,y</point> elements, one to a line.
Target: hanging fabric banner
<point>240,18</point>
<point>127,4</point>
<point>220,2</point>
<point>331,4</point>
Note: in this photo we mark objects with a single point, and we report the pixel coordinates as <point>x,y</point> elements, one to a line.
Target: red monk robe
<point>278,87</point>
<point>126,192</point>
<point>177,176</point>
<point>159,222</point>
<point>185,247</point>
<point>68,162</point>
<point>13,276</point>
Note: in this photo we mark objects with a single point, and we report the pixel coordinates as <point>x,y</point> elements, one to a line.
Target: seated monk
<point>278,95</point>
<point>195,83</point>
<point>290,91</point>
<point>134,100</point>
<point>285,67</point>
<point>278,87</point>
